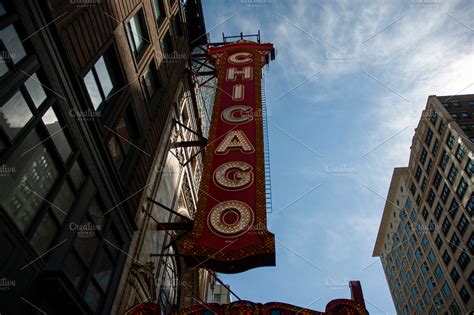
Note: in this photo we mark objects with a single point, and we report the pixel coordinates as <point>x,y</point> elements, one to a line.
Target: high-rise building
<point>96,97</point>
<point>426,236</point>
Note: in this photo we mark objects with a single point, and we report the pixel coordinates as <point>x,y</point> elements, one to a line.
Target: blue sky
<point>345,94</point>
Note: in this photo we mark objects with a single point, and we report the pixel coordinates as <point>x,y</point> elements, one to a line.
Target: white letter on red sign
<point>235,139</point>
<point>238,92</point>
<point>240,58</point>
<point>229,114</point>
<point>234,175</point>
<point>245,72</point>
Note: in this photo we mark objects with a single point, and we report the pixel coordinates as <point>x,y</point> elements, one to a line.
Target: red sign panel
<point>230,233</point>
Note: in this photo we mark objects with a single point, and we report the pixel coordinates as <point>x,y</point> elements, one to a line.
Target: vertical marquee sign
<point>229,233</point>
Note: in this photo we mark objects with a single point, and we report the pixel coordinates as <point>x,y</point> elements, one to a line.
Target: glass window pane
<point>12,42</point>
<point>136,31</point>
<point>14,115</point>
<point>86,241</point>
<point>35,89</point>
<point>122,130</point>
<point>76,174</point>
<point>149,79</point>
<point>44,234</point>
<point>104,76</point>
<point>103,270</point>
<point>74,269</point>
<point>57,135</point>
<point>115,151</point>
<point>24,190</point>
<point>2,9</point>
<point>63,202</point>
<point>93,89</point>
<point>3,65</point>
<point>157,9</point>
<point>93,296</point>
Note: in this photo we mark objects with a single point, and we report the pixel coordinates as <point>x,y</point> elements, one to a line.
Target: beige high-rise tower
<point>425,240</point>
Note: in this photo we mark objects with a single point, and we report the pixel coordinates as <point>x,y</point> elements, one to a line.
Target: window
<point>438,242</point>
<point>90,264</point>
<point>437,180</point>
<point>120,142</point>
<point>470,167</point>
<point>470,243</point>
<point>462,188</point>
<point>446,290</point>
<point>441,127</point>
<point>425,242</point>
<point>444,160</point>
<point>463,260</point>
<point>446,258</point>
<point>453,208</point>
<point>424,183</point>
<point>464,127</point>
<point>438,211</point>
<point>425,213</point>
<point>455,115</point>
<point>465,115</point>
<point>454,243</point>
<point>464,294</point>
<point>450,141</point>
<point>57,134</point>
<point>470,205</point>
<point>429,167</point>
<point>455,104</point>
<point>463,224</point>
<point>14,115</point>
<point>138,34</point>
<point>434,118</point>
<point>418,173</point>
<point>35,175</point>
<point>158,10</point>
<point>445,193</point>
<point>100,81</point>
<point>431,257</point>
<point>423,156</point>
<point>460,152</point>
<point>177,27</point>
<point>452,174</point>
<point>35,90</point>
<point>413,189</point>
<point>435,147</point>
<point>455,275</point>
<point>471,280</point>
<point>150,80</point>
<point>438,273</point>
<point>446,226</point>
<point>15,52</point>
<point>429,137</point>
<point>166,45</point>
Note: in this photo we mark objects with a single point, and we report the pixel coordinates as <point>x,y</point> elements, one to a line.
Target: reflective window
<point>63,202</point>
<point>99,81</point>
<point>150,80</point>
<point>45,234</point>
<point>158,9</point>
<point>14,115</point>
<point>13,44</point>
<point>137,33</point>
<point>24,190</point>
<point>35,90</point>
<point>57,134</point>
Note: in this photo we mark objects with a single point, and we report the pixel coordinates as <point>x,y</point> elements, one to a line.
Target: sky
<point>345,93</point>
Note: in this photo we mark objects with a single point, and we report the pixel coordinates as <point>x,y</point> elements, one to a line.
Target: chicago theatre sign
<point>230,233</point>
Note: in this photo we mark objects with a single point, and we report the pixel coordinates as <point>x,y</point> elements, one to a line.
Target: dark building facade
<point>89,91</point>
